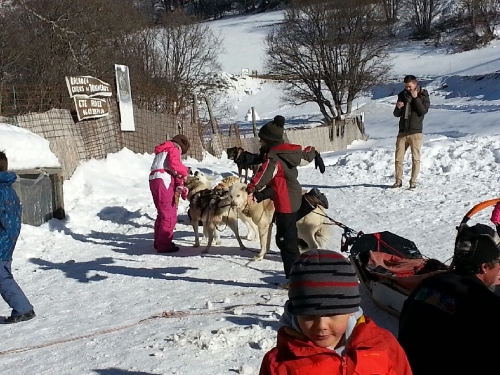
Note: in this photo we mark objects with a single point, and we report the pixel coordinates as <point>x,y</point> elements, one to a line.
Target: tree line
<point>325,52</point>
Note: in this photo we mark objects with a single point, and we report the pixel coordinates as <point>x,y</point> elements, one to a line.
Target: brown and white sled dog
<point>312,228</point>
<point>195,182</point>
<point>211,207</point>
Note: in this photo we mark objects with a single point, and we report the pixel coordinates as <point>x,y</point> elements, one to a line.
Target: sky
<point>106,303</point>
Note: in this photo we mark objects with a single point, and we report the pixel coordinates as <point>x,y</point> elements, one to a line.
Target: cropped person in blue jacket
<point>10,226</point>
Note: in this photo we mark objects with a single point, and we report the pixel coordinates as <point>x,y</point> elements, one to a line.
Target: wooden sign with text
<point>87,86</point>
<point>87,108</point>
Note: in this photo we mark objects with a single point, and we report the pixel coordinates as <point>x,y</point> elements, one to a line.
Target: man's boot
<point>397,184</point>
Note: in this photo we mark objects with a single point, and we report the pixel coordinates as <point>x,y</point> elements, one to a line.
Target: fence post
<point>331,128</point>
<point>211,115</point>
<point>16,123</point>
<point>254,124</point>
<point>194,115</point>
<point>195,119</point>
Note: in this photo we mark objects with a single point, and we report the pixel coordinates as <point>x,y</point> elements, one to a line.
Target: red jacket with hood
<point>370,350</point>
<point>279,171</point>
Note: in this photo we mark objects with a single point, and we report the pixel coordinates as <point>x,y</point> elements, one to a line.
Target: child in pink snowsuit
<point>165,180</point>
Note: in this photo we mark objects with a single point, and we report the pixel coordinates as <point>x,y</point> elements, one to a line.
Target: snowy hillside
<point>106,303</point>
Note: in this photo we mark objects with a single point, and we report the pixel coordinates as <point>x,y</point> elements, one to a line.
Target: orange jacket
<point>370,350</point>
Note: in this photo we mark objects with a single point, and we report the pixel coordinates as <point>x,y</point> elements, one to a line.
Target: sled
<point>389,266</point>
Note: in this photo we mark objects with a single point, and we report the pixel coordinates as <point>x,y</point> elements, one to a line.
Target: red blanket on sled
<point>407,273</point>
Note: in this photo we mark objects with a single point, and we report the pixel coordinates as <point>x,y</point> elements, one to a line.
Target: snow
<point>25,149</point>
<point>106,303</point>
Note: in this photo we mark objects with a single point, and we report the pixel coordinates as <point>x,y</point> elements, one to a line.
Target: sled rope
<point>335,222</point>
<point>163,315</point>
<point>383,243</point>
<point>223,229</point>
<point>227,218</point>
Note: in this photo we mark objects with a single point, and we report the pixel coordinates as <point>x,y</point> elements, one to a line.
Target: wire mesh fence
<point>73,141</point>
<point>52,115</point>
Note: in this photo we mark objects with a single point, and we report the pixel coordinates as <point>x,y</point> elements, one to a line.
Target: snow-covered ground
<point>106,303</point>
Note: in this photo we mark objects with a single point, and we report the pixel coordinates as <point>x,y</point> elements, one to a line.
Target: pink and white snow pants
<point>163,197</point>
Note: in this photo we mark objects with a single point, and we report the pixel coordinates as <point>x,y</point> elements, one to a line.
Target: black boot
<point>20,318</point>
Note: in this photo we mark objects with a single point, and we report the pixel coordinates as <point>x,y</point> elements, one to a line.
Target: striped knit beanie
<point>323,282</point>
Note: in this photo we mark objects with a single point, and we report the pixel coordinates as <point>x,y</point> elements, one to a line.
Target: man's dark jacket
<point>411,115</point>
<point>450,325</point>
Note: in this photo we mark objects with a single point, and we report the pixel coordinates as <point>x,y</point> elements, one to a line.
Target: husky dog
<point>202,197</point>
<point>195,182</point>
<point>312,228</point>
<point>239,155</point>
<point>198,185</point>
<point>229,180</point>
<point>213,208</point>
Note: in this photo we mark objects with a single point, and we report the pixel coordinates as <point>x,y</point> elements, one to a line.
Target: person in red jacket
<point>166,182</point>
<point>323,329</point>
<point>277,179</point>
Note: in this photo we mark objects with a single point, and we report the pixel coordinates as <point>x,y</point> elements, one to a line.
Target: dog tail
<point>323,235</point>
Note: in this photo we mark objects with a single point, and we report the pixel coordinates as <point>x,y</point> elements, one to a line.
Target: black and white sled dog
<point>241,157</point>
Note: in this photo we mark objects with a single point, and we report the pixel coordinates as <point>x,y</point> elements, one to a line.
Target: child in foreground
<point>323,329</point>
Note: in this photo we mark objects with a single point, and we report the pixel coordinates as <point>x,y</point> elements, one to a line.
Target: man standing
<point>413,103</point>
<point>456,311</point>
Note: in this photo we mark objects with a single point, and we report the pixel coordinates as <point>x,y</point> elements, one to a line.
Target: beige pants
<point>403,141</point>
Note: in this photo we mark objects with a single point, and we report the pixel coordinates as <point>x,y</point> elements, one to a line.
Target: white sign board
<point>124,98</point>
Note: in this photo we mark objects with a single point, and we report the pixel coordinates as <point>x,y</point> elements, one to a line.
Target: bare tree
<point>45,40</point>
<point>328,53</point>
<point>391,10</point>
<point>423,13</point>
<point>184,56</point>
<point>481,18</point>
<point>56,38</point>
<point>10,58</point>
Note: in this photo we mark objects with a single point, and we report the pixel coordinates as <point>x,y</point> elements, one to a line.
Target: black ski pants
<point>287,239</point>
